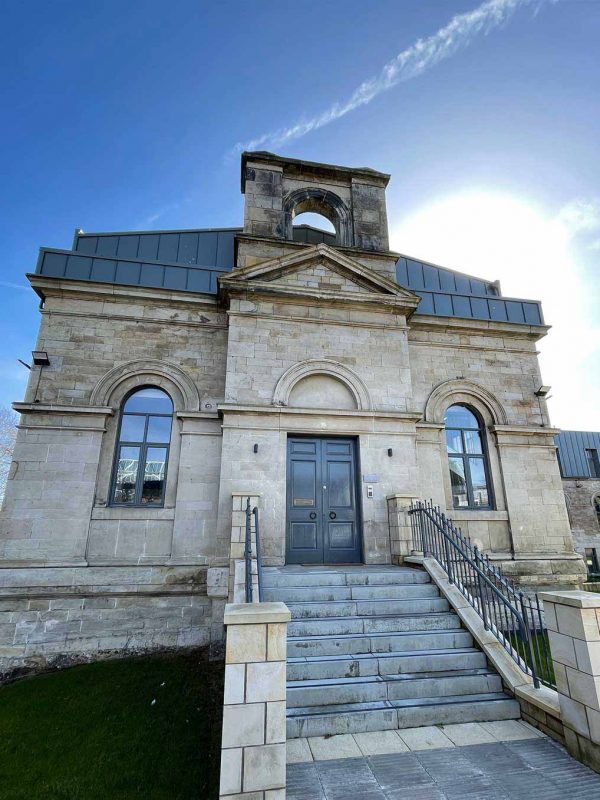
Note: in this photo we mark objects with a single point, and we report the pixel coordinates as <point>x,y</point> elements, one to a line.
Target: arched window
<point>142,451</point>
<point>467,457</point>
<point>597,508</point>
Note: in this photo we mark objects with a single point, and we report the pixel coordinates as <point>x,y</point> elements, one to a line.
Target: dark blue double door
<point>322,510</point>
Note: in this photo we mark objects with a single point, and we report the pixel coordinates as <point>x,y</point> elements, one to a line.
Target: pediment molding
<point>364,284</point>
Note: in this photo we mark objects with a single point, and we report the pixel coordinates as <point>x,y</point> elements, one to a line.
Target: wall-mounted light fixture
<point>40,358</point>
<point>255,448</point>
<point>390,452</point>
<point>543,391</point>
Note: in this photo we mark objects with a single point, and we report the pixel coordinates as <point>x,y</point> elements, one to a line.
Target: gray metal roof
<point>571,452</point>
<point>192,260</point>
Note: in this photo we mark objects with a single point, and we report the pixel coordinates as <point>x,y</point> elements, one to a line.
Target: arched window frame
<point>596,507</point>
<point>144,444</point>
<point>466,459</point>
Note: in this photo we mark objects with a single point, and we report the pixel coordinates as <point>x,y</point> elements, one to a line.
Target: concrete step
<point>348,608</point>
<point>398,663</point>
<point>339,691</point>
<point>276,577</point>
<point>311,646</point>
<point>336,626</point>
<point>291,594</point>
<point>392,714</point>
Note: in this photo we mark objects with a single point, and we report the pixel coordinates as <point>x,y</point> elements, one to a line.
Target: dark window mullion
<point>140,478</point>
<point>142,465</point>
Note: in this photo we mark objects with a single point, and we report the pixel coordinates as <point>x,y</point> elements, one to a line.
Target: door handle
<point>313,515</point>
<point>332,515</point>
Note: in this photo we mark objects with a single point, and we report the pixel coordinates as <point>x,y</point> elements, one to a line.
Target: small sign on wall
<point>370,478</point>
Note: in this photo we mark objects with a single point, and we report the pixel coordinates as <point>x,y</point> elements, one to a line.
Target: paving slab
<point>465,733</point>
<point>521,769</point>
<point>380,742</point>
<point>325,748</point>
<point>424,738</point>
<point>298,751</point>
<point>507,730</point>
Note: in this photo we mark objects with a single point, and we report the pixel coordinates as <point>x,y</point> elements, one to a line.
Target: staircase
<point>372,648</point>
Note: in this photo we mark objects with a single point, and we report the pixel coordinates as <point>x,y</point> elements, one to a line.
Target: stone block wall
<point>580,494</point>
<point>103,343</point>
<point>266,339</point>
<point>253,762</point>
<point>573,621</point>
<point>60,616</point>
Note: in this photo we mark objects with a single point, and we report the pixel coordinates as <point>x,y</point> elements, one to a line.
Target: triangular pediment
<point>322,270</point>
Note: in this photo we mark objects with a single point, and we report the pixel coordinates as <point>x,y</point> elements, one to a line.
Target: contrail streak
<point>408,64</point>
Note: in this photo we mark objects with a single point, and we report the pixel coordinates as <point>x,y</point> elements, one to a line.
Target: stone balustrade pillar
<point>573,622</point>
<point>254,710</point>
<point>401,544</point>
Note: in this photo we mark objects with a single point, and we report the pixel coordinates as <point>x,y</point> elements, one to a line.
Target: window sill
<point>476,515</point>
<point>124,512</point>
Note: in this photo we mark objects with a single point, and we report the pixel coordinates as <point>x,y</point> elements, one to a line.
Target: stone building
<point>326,376</point>
<point>579,460</point>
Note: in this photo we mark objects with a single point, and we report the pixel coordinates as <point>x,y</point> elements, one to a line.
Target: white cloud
<point>498,236</point>
<point>409,63</point>
<point>9,285</point>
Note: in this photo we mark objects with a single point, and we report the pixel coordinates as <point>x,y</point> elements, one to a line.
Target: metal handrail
<point>514,619</point>
<point>252,512</point>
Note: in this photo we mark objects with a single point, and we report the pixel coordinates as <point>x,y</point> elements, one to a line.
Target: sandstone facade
<point>299,340</point>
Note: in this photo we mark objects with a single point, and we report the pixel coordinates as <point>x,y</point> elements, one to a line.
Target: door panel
<point>322,514</point>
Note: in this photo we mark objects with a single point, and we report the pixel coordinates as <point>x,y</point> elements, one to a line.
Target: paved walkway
<point>525,766</point>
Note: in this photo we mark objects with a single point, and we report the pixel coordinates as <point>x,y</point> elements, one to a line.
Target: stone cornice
<point>90,290</point>
<point>523,430</point>
<point>406,416</point>
<point>477,326</point>
<point>52,408</point>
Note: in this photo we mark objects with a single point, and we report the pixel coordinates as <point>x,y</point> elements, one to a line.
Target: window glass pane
<point>478,482</point>
<point>154,475</point>
<point>460,417</point>
<point>459,484</point>
<point>159,429</point>
<point>340,482</point>
<point>473,442</point>
<point>593,463</point>
<point>454,442</point>
<point>132,428</point>
<point>150,401</point>
<point>304,483</point>
<point>127,470</point>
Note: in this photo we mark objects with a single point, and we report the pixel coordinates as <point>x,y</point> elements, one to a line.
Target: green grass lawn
<point>133,728</point>
<point>541,651</point>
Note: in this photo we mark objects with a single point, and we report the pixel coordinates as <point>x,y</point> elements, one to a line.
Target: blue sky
<point>126,115</point>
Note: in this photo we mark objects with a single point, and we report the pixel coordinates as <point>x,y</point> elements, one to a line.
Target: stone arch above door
<point>322,367</point>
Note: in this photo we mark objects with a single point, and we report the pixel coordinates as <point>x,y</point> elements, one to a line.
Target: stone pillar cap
<point>578,599</point>
<point>256,613</point>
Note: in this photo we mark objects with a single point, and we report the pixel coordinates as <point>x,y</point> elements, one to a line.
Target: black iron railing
<point>250,514</point>
<point>514,618</point>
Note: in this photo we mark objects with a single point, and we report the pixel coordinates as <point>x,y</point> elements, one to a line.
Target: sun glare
<point>502,237</point>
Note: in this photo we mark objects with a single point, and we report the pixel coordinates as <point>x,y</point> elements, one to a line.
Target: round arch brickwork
<point>121,379</point>
<point>319,201</point>
<point>462,391</point>
<point>322,367</point>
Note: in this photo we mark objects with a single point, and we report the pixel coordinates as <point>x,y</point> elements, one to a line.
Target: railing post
<point>258,554</point>
<point>248,552</point>
<point>528,642</point>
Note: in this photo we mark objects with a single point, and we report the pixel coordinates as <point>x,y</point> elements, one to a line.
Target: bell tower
<point>277,189</point>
